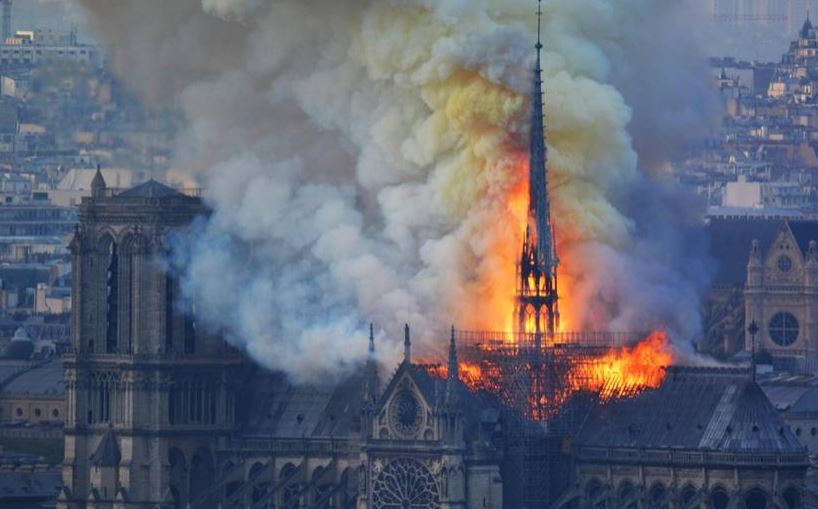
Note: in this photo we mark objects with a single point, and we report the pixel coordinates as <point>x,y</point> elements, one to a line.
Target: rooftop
<point>695,409</point>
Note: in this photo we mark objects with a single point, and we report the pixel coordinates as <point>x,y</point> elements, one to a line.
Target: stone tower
<point>148,394</point>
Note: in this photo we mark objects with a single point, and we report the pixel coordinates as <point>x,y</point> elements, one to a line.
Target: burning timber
<point>538,375</point>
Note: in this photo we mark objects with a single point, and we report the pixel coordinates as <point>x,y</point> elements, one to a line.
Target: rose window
<point>405,484</point>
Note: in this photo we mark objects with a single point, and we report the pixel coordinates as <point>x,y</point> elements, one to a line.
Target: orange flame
<point>619,372</point>
<point>625,371</point>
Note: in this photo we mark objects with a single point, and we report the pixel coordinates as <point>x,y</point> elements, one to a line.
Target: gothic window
<point>792,497</point>
<point>112,307</point>
<point>102,401</point>
<point>169,298</point>
<point>405,414</point>
<point>627,495</point>
<point>405,484</point>
<point>291,499</point>
<point>755,499</point>
<point>202,477</point>
<point>784,263</point>
<point>657,496</point>
<point>719,499</point>
<point>688,494</point>
<point>783,329</point>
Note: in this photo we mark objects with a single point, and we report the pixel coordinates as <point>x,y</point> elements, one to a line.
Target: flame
<point>618,372</point>
<point>629,370</point>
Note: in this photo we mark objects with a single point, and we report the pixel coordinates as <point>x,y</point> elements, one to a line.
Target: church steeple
<point>452,378</point>
<point>536,307</point>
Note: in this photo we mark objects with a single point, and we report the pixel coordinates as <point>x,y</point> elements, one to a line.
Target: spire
<point>451,380</point>
<point>98,183</point>
<point>537,283</point>
<point>452,357</point>
<point>407,345</point>
<point>371,374</point>
<point>806,27</point>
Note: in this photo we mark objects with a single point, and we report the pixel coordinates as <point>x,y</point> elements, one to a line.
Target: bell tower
<point>140,371</point>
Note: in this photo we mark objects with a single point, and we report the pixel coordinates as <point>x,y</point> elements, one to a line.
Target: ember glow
<point>606,373</point>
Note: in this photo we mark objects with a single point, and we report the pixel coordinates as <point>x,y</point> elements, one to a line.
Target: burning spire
<point>536,309</point>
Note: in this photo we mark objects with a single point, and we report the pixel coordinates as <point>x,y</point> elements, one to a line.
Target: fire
<point>629,370</point>
<point>616,372</point>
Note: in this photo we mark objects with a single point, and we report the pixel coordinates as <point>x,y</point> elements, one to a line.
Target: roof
<point>34,486</point>
<point>704,409</point>
<point>805,28</point>
<point>150,189</point>
<point>730,240</point>
<point>79,179</point>
<point>21,350</point>
<point>107,453</point>
<point>273,406</point>
<point>44,379</point>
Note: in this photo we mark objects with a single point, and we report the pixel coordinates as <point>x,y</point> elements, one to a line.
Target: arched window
<point>688,494</point>
<point>177,476</point>
<point>792,497</point>
<point>627,495</point>
<point>202,477</point>
<point>719,499</point>
<point>657,496</point>
<point>110,255</point>
<point>755,499</point>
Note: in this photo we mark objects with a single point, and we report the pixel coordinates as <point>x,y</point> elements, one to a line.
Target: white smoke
<point>359,155</point>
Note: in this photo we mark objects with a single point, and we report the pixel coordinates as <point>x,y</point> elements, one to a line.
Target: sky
<point>756,41</point>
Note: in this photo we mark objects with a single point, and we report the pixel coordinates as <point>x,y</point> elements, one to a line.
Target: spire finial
<point>371,340</point>
<point>539,25</point>
<point>407,344</point>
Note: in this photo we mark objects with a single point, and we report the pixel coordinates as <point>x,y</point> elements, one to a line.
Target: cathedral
<point>162,414</point>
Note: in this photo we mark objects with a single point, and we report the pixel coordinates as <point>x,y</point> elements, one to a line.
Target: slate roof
<point>32,487</point>
<point>151,189</point>
<point>44,380</point>
<point>273,406</point>
<point>705,409</point>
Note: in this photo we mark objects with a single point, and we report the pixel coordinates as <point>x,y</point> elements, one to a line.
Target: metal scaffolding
<point>543,383</point>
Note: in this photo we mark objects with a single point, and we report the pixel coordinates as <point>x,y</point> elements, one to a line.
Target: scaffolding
<point>543,382</point>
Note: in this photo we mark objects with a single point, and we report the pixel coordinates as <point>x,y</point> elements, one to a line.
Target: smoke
<point>365,161</point>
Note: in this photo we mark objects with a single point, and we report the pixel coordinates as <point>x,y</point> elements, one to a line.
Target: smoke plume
<point>365,161</point>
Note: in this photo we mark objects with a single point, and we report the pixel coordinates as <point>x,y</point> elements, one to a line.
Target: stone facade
<point>141,381</point>
<point>163,416</point>
<point>781,297</point>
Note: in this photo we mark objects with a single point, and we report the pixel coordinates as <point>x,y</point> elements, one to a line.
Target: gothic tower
<point>148,394</point>
<point>536,309</point>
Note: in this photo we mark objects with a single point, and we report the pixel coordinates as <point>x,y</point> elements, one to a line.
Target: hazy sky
<point>756,41</point>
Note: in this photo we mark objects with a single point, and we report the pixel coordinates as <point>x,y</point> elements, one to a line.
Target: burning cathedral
<point>164,415</point>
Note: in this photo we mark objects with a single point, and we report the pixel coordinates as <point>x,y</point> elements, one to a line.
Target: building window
<point>55,413</point>
<point>405,483</point>
<point>37,412</point>
<point>18,412</point>
<point>784,263</point>
<point>112,299</point>
<point>783,329</point>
